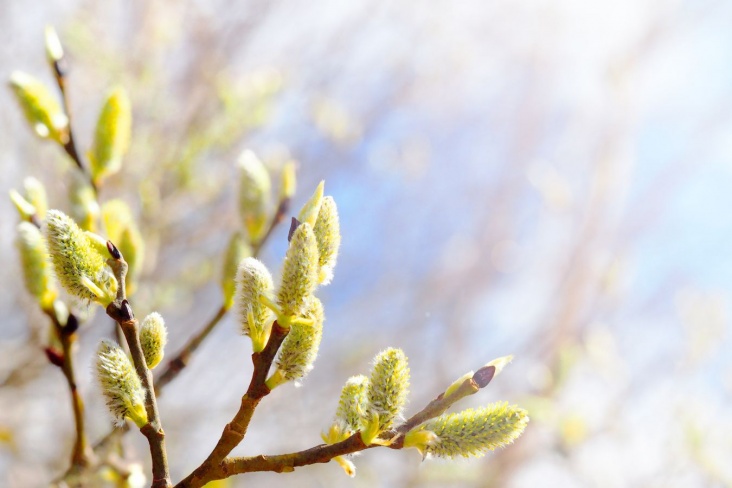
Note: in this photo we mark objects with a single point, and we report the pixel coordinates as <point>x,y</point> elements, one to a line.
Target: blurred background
<point>549,179</point>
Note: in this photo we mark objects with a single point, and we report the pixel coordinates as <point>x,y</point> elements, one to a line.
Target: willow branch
<point>323,453</point>
<point>67,336</point>
<point>121,311</point>
<point>235,430</point>
<point>59,71</point>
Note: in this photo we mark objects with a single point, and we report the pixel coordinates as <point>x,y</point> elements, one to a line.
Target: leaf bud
<point>309,212</point>
<point>289,181</point>
<point>235,252</point>
<point>112,135</point>
<point>40,107</point>
<point>35,264</point>
<point>254,195</point>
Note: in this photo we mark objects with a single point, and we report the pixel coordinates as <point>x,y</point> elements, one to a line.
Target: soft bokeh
<point>544,178</point>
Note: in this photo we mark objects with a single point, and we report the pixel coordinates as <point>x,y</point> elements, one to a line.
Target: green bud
<point>40,107</point>
<point>112,136</point>
<point>300,272</point>
<point>254,195</point>
<point>36,267</point>
<point>84,206</point>
<point>35,194</point>
<point>420,439</point>
<point>123,231</point>
<point>120,385</point>
<point>328,234</point>
<point>79,267</point>
<point>458,383</point>
<point>309,212</point>
<point>388,388</point>
<point>54,51</point>
<point>235,252</point>
<point>253,281</point>
<point>300,347</point>
<point>473,432</point>
<point>289,181</point>
<point>352,404</point>
<point>25,209</point>
<point>153,337</point>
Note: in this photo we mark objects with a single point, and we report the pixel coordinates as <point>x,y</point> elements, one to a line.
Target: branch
<point>67,336</point>
<point>235,430</point>
<point>323,453</point>
<point>59,71</point>
<point>121,311</point>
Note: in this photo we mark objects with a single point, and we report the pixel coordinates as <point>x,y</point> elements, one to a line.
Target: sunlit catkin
<point>300,271</point>
<point>328,235</point>
<point>473,432</point>
<point>79,267</point>
<point>153,337</point>
<point>40,107</point>
<point>253,281</point>
<point>112,136</point>
<point>35,264</point>
<point>388,387</point>
<point>254,194</point>
<point>352,404</point>
<point>300,347</point>
<point>120,385</point>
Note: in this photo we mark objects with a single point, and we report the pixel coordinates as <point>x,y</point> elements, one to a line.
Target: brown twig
<point>235,430</point>
<point>121,311</point>
<point>67,336</point>
<point>59,71</point>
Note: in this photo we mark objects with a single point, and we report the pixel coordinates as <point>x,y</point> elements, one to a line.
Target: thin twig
<point>121,311</point>
<point>67,336</point>
<point>180,361</point>
<point>59,71</point>
<point>174,367</point>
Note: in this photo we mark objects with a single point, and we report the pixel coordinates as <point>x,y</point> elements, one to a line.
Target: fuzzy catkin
<point>35,263</point>
<point>300,347</point>
<point>300,272</point>
<point>388,387</point>
<point>352,403</point>
<point>80,269</point>
<point>153,337</point>
<point>328,235</point>
<point>473,432</point>
<point>253,279</point>
<point>120,384</point>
